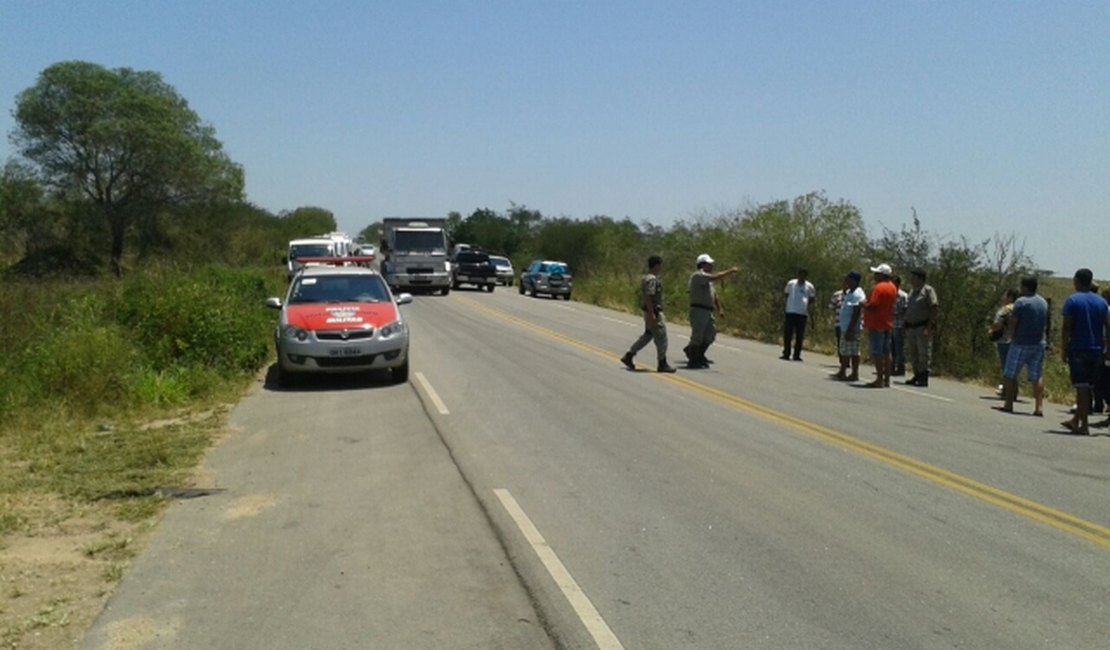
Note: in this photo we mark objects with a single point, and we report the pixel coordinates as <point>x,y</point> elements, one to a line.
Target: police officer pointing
<point>704,304</point>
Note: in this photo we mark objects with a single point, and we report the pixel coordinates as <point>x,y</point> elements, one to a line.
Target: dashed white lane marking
<point>440,406</point>
<point>597,627</point>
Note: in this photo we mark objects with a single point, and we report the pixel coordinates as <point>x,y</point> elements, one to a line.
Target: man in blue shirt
<point>1086,332</point>
<point>1025,330</point>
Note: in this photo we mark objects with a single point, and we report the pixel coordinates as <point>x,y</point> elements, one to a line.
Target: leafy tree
<point>774,240</point>
<point>22,203</point>
<point>307,221</point>
<point>371,234</point>
<point>124,141</point>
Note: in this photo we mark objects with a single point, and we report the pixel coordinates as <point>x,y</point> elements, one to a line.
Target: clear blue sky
<point>986,117</point>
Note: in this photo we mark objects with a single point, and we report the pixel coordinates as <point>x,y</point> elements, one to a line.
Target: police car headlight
<point>294,333</point>
<point>391,330</point>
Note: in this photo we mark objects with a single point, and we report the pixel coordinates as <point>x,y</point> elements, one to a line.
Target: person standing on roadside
<point>999,333</point>
<point>835,302</point>
<point>1025,328</point>
<point>651,301</point>
<point>922,308</point>
<point>878,320</point>
<point>1086,335</point>
<point>704,304</point>
<point>799,292</point>
<point>898,340</point>
<point>849,327</point>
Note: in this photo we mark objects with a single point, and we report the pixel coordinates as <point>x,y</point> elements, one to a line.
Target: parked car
<point>505,273</point>
<point>338,319</point>
<point>547,277</point>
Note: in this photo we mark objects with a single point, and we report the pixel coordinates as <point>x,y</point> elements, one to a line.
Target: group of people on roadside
<point>899,325</point>
<point>1020,329</point>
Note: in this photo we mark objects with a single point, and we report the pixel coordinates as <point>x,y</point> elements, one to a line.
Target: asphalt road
<point>524,490</point>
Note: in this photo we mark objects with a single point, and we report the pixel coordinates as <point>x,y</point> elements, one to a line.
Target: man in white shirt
<point>799,292</point>
<point>851,324</point>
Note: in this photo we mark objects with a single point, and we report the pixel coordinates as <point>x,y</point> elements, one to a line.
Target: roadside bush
<point>81,365</point>
<point>211,318</point>
<point>163,338</point>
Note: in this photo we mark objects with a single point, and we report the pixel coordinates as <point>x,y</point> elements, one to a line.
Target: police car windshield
<point>338,288</point>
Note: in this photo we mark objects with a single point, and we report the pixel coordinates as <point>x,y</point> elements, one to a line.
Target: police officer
<point>651,301</point>
<point>704,304</point>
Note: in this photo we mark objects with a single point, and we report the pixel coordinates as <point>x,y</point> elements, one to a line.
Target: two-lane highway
<point>758,504</point>
<point>525,490</point>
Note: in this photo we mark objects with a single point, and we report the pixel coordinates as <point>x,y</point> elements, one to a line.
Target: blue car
<point>547,277</point>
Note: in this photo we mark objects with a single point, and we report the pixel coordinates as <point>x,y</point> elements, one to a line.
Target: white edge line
<point>921,394</point>
<point>440,406</point>
<point>617,320</point>
<point>597,627</point>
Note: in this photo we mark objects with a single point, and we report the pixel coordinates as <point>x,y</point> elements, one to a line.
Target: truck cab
<point>414,255</point>
<point>309,247</point>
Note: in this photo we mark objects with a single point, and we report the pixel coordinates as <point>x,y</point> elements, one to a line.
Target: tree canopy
<point>124,141</point>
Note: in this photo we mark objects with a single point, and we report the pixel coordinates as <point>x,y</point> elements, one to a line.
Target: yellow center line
<point>1038,512</point>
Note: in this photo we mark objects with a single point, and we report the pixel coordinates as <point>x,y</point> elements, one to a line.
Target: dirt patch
<point>60,558</point>
<point>249,506</point>
<point>55,582</point>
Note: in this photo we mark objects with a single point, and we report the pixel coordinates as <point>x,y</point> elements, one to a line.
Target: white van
<point>310,247</point>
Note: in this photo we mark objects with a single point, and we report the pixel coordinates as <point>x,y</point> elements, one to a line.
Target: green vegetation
<point>97,358</point>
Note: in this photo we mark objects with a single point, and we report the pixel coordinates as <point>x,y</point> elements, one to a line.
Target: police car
<point>340,317</point>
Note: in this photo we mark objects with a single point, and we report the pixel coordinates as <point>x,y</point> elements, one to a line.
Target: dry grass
<point>78,501</point>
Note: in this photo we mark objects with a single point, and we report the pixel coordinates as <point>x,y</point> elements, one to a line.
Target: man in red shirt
<point>878,320</point>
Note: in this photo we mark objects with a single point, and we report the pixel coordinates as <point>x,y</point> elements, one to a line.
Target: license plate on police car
<point>345,352</point>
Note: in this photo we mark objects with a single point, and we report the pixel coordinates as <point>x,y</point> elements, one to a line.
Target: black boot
<point>689,350</point>
<point>912,381</point>
<point>695,358</point>
<point>701,354</point>
<point>923,380</point>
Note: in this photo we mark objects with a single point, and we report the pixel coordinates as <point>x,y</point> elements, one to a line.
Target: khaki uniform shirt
<point>920,306</point>
<point>652,293</point>
<point>701,290</point>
